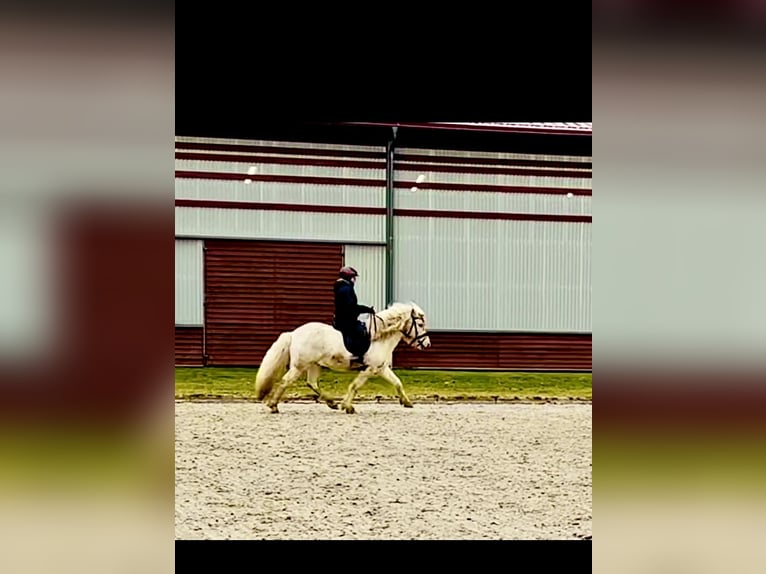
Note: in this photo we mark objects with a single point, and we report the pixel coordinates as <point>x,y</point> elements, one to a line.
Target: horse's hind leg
<point>290,377</point>
<point>391,377</point>
<point>312,376</point>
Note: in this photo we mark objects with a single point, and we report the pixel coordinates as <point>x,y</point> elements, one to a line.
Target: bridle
<point>418,338</point>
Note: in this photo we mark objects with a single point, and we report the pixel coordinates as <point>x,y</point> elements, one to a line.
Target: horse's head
<point>414,330</point>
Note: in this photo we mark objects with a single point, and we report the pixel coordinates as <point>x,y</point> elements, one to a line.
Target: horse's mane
<point>389,320</point>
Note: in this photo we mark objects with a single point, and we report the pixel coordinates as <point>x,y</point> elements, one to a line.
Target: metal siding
<point>277,192</point>
<point>507,158</point>
<point>489,201</point>
<point>370,262</point>
<point>494,179</point>
<point>287,225</point>
<point>256,290</point>
<point>189,282</point>
<point>254,224</point>
<point>469,275</point>
<point>287,146</point>
<point>496,275</point>
<point>189,347</point>
<point>265,168</point>
<point>501,351</point>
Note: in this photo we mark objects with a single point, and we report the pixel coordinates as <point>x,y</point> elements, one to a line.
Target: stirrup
<point>357,362</point>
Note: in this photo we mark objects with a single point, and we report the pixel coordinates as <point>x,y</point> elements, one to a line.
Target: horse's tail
<point>273,365</point>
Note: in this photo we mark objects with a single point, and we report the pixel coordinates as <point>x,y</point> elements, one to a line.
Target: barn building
<point>486,226</point>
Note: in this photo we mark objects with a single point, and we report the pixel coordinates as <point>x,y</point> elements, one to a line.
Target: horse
<point>315,345</point>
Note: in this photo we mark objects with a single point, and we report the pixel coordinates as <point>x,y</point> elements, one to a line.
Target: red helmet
<point>348,272</point>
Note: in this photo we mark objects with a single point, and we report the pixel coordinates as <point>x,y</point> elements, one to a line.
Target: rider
<point>347,311</point>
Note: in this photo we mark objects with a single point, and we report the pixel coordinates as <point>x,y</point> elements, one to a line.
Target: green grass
<point>680,459</point>
<point>217,382</point>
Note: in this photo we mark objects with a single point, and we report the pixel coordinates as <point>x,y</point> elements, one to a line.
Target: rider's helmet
<point>348,273</point>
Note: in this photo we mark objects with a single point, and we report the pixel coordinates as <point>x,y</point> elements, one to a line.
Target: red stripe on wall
<point>276,149</point>
<point>281,178</point>
<point>255,205</point>
<point>493,188</point>
<point>358,164</point>
<point>381,155</point>
<point>282,160</point>
<point>492,170</point>
<point>493,161</point>
<point>252,205</point>
<point>492,215</point>
<point>216,175</point>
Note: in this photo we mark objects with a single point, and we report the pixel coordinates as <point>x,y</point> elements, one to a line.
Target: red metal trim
<point>277,149</point>
<point>493,161</point>
<point>281,160</point>
<point>492,215</point>
<point>219,175</point>
<point>493,188</point>
<point>409,166</point>
<point>262,206</point>
<point>288,151</point>
<point>250,205</point>
<point>280,178</point>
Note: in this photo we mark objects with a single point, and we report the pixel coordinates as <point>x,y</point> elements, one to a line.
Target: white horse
<point>315,345</point>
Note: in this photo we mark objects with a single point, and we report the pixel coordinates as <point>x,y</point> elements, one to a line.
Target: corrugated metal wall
<point>256,289</point>
<point>471,273</point>
<point>500,351</point>
<point>189,346</point>
<point>477,275</point>
<point>370,262</point>
<point>189,282</point>
<point>316,176</point>
<point>286,225</point>
<point>496,275</point>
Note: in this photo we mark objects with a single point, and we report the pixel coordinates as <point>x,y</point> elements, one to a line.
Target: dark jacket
<point>347,309</point>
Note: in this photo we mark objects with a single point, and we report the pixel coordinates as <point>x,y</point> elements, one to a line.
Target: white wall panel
<point>470,274</point>
<point>493,202</point>
<point>287,145</point>
<point>501,157</point>
<point>297,226</point>
<point>189,282</point>
<point>514,180</point>
<point>271,192</point>
<point>370,262</point>
<point>265,168</point>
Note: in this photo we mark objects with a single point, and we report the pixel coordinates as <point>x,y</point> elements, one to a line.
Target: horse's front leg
<point>391,377</point>
<point>360,379</point>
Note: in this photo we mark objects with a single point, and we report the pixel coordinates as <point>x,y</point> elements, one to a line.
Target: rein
<point>375,319</point>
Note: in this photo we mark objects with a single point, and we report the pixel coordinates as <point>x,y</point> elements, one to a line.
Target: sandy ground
<point>436,471</point>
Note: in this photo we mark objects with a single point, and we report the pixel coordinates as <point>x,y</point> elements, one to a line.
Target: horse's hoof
<point>349,410</point>
<point>274,410</point>
<point>332,405</point>
<point>407,405</point>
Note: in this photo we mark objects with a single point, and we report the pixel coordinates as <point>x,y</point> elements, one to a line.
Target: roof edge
<point>530,128</point>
